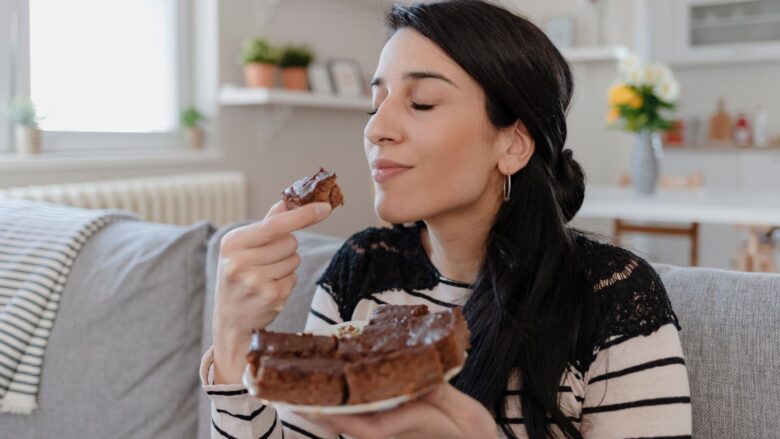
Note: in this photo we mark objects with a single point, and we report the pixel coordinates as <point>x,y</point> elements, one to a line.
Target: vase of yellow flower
<point>636,103</point>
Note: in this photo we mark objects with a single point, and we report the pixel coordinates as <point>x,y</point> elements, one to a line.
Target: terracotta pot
<point>28,140</point>
<point>295,78</point>
<point>195,137</point>
<point>259,75</point>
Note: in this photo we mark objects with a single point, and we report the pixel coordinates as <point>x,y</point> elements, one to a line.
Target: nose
<point>384,127</point>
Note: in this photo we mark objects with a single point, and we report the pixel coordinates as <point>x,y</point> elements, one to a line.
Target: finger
<point>283,223</point>
<point>455,405</point>
<point>279,270</point>
<point>358,426</point>
<point>287,283</point>
<point>413,417</point>
<point>278,207</point>
<point>276,251</point>
<point>279,292</point>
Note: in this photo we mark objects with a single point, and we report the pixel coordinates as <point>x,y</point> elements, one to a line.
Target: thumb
<point>449,400</point>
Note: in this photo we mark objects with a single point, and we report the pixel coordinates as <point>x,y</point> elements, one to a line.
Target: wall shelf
<point>592,53</point>
<point>231,95</point>
<point>723,148</point>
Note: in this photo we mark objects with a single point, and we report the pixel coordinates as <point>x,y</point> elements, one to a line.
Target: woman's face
<point>430,145</point>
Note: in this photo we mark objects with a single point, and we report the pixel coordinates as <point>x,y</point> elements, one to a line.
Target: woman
<point>571,337</point>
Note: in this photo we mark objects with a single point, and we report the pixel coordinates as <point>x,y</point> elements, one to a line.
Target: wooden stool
<point>622,227</point>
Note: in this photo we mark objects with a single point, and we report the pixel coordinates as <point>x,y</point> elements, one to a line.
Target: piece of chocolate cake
<point>396,313</point>
<point>281,344</point>
<point>319,187</point>
<point>448,331</point>
<point>310,381</point>
<point>402,350</point>
<point>375,340</point>
<point>398,373</point>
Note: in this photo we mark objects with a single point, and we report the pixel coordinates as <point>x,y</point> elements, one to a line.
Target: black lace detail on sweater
<point>377,260</point>
<point>630,298</point>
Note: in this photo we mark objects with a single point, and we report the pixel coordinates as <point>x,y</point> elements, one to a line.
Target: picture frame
<point>346,77</point>
<point>320,79</point>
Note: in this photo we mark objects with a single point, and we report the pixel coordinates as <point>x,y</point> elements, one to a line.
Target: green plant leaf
<point>296,56</point>
<point>259,50</point>
<point>191,117</point>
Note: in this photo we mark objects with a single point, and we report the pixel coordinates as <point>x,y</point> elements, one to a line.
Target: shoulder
<point>376,260</point>
<point>629,295</point>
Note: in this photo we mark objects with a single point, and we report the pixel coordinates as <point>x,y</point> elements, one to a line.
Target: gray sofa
<point>136,315</point>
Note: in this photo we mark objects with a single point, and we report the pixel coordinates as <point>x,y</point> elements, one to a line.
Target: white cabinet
<point>710,31</point>
<point>760,172</point>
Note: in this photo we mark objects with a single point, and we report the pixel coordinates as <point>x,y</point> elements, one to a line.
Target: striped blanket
<point>38,245</point>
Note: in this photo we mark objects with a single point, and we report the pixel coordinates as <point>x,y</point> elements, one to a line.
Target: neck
<point>455,242</point>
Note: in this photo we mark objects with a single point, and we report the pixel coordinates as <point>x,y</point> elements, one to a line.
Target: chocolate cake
<point>319,187</point>
<point>402,349</point>
<point>448,331</point>
<point>280,344</point>
<point>375,339</point>
<point>310,381</point>
<point>397,373</point>
<point>396,313</point>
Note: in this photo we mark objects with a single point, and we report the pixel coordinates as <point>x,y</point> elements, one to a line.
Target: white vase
<point>28,140</point>
<point>645,163</point>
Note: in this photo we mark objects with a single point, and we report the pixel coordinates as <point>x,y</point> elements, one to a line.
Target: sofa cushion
<point>316,250</point>
<point>731,340</point>
<point>123,354</point>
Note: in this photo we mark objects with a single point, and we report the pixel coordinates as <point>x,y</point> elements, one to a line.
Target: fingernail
<point>322,209</point>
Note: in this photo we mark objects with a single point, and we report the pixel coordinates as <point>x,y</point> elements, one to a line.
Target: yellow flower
<point>636,102</point>
<point>613,115</point>
<point>621,94</point>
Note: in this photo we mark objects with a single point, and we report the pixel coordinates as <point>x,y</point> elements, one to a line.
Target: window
<point>6,72</point>
<point>103,74</point>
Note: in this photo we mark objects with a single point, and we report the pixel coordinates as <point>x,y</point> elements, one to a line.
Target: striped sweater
<point>633,385</point>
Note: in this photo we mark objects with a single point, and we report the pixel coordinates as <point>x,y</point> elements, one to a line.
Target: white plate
<point>375,406</point>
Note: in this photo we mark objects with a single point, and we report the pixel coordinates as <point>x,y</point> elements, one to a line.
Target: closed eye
<point>415,105</point>
<point>422,107</point>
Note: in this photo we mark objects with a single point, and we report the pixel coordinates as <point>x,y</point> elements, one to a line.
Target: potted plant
<point>294,60</point>
<point>636,102</point>
<point>25,120</point>
<point>191,120</point>
<point>260,58</point>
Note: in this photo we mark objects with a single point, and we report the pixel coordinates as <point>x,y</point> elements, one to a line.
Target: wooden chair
<point>622,227</point>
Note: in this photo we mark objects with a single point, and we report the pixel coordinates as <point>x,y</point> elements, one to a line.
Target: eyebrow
<point>417,75</point>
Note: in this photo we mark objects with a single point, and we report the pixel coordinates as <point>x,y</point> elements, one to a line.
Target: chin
<point>395,210</point>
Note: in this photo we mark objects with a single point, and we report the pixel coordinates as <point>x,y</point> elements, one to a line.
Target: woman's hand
<point>445,412</point>
<point>255,274</point>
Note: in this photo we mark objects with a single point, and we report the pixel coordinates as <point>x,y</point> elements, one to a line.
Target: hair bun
<point>569,184</point>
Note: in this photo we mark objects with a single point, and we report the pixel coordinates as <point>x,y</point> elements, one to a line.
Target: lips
<point>384,169</point>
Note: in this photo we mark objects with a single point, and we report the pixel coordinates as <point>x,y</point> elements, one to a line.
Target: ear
<point>517,149</point>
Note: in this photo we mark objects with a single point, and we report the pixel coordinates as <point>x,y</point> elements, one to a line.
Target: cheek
<point>452,171</point>
<point>456,163</point>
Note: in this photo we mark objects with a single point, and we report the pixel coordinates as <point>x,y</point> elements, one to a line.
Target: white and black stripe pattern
<point>635,388</point>
<point>38,244</point>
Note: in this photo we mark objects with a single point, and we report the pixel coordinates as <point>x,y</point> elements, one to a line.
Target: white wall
<point>311,137</point>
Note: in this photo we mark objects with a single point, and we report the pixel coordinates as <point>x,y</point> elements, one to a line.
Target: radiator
<point>219,197</point>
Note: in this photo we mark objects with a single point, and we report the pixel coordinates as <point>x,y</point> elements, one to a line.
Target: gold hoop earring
<point>507,188</point>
